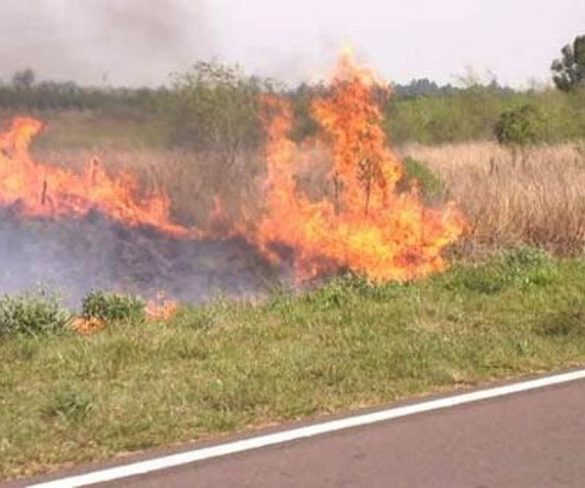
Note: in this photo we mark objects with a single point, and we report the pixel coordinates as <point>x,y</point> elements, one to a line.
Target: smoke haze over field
<point>139,42</point>
<point>133,42</point>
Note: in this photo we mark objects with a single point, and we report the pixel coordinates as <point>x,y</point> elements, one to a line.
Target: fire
<point>89,326</point>
<point>363,224</point>
<point>49,191</point>
<point>161,307</point>
<point>366,226</point>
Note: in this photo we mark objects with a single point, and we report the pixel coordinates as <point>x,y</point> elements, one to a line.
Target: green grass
<point>97,131</point>
<point>230,366</point>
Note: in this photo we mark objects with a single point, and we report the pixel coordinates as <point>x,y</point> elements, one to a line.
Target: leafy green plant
<point>520,127</point>
<point>112,306</point>
<point>213,107</point>
<point>432,188</point>
<point>35,312</point>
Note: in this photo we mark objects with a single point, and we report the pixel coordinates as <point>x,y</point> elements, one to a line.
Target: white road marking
<point>173,460</point>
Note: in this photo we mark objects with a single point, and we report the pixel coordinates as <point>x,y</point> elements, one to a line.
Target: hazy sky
<point>140,41</point>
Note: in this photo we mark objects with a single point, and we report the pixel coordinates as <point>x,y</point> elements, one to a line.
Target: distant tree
<point>423,87</point>
<point>569,70</point>
<point>24,79</point>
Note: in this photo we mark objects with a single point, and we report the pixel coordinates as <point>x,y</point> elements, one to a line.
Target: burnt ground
<point>76,255</point>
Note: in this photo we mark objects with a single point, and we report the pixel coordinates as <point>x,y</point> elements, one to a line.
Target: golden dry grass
<point>534,196</point>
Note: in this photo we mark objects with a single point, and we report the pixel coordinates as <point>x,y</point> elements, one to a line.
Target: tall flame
<point>50,191</point>
<point>364,225</point>
<point>367,226</point>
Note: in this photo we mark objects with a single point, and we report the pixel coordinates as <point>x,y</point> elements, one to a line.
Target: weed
<point>564,322</point>
<point>112,306</point>
<point>69,404</point>
<point>540,202</point>
<point>432,188</point>
<point>226,366</point>
<point>33,313</point>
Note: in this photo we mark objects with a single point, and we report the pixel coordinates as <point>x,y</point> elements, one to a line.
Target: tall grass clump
<point>32,313</point>
<point>68,404</point>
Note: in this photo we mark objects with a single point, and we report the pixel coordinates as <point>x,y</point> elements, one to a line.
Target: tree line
<point>214,106</point>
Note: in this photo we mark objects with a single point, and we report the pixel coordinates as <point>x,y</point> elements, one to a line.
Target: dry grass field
<point>534,196</point>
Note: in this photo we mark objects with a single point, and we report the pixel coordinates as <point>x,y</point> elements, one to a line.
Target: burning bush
<point>107,307</point>
<point>365,224</point>
<point>362,221</point>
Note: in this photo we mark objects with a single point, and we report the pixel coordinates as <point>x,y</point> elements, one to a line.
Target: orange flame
<point>367,226</point>
<point>87,326</point>
<point>49,191</point>
<point>161,307</point>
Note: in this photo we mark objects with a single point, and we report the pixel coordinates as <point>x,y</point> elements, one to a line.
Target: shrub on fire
<point>110,307</point>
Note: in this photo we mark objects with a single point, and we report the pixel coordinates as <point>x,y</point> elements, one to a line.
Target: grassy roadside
<point>66,398</point>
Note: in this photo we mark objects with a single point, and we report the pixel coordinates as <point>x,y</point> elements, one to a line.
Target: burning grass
<point>77,255</point>
<point>228,366</point>
<point>368,225</point>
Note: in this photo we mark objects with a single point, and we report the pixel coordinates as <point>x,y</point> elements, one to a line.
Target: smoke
<point>74,256</point>
<point>133,42</point>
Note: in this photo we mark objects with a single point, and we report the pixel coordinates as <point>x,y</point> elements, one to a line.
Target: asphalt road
<point>531,439</point>
<point>535,439</point>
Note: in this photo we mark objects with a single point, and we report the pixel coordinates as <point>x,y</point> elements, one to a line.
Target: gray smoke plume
<point>76,255</point>
<point>128,42</point>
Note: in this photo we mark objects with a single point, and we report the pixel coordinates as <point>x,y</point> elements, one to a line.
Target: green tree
<point>569,70</point>
<point>213,107</point>
<point>520,127</point>
<point>24,79</point>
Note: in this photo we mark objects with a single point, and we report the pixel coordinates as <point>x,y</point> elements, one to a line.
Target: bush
<point>214,108</point>
<point>431,186</point>
<point>33,313</point>
<point>112,306</point>
<point>520,127</point>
